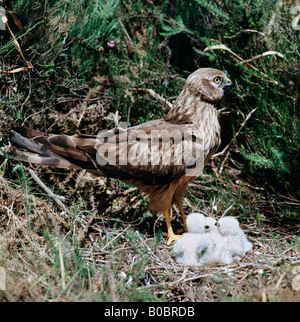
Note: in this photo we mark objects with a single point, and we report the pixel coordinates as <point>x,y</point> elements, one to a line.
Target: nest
<point>45,252</point>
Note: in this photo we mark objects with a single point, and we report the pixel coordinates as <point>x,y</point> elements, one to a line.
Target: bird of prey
<point>160,157</point>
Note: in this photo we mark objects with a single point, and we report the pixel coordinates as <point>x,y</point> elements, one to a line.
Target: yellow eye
<point>217,80</point>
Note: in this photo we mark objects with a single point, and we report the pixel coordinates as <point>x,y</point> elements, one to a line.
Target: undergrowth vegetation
<point>97,63</point>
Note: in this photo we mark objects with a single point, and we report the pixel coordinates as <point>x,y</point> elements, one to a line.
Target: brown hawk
<point>160,157</point>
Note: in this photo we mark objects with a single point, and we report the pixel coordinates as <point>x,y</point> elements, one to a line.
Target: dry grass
<point>51,256</point>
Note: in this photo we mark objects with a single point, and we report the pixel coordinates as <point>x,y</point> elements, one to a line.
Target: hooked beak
<point>228,82</point>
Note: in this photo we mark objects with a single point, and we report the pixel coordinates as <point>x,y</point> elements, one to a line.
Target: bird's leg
<point>182,215</point>
<point>170,234</point>
<point>180,206</point>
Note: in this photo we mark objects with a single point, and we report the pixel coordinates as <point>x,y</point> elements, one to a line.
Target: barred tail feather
<point>21,155</point>
<point>30,145</point>
<point>56,150</point>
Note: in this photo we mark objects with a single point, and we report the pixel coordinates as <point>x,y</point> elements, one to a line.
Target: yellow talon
<point>172,238</point>
<point>170,234</point>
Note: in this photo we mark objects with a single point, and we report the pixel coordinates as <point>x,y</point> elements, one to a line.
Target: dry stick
<point>18,47</point>
<point>74,110</point>
<point>183,276</point>
<point>111,282</point>
<point>197,277</point>
<point>62,266</point>
<point>126,192</point>
<point>85,229</point>
<point>237,133</point>
<point>223,47</point>
<point>49,192</point>
<point>280,280</point>
<point>225,212</point>
<point>233,139</point>
<point>15,18</point>
<point>129,42</point>
<point>58,201</point>
<point>157,96</point>
<point>121,233</point>
<point>248,30</point>
<point>225,159</point>
<point>128,116</point>
<point>267,53</point>
<point>33,114</point>
<point>149,249</point>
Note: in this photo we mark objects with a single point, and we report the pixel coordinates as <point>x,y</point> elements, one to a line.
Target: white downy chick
<point>185,248</point>
<point>195,222</point>
<point>199,224</point>
<point>210,244</point>
<point>237,242</point>
<point>212,249</point>
<point>229,241</point>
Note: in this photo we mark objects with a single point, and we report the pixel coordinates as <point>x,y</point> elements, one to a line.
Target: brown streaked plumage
<point>160,175</point>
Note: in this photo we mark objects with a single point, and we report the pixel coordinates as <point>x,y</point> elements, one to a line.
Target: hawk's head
<point>208,82</point>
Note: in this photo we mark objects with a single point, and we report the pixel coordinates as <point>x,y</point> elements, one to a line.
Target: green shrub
<point>156,44</point>
<point>270,139</point>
